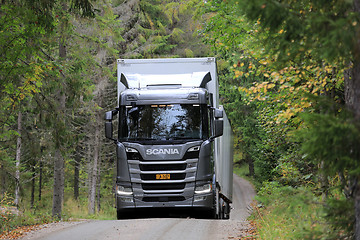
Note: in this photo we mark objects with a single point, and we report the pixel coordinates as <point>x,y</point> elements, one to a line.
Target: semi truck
<point>174,140</point>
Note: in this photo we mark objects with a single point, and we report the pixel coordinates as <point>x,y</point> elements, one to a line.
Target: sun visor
<point>195,79</point>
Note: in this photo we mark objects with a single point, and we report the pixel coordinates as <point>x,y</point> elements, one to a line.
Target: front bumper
<point>201,201</point>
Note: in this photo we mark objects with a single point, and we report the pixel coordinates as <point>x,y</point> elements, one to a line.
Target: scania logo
<point>162,151</point>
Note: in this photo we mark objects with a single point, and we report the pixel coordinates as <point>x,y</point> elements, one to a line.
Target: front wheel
<point>122,214</point>
<point>217,205</point>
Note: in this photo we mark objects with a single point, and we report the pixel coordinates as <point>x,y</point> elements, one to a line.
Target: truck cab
<point>166,143</point>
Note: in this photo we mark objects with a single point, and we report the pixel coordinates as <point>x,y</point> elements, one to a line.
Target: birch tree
<point>18,159</point>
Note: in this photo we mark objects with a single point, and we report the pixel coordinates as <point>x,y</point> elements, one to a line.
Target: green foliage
<point>276,57</point>
<point>325,28</point>
<point>333,139</point>
<point>11,217</point>
<point>340,214</point>
<point>289,213</point>
<point>162,28</point>
<point>153,13</point>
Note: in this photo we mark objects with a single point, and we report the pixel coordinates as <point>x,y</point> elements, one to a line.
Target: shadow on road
<point>165,213</point>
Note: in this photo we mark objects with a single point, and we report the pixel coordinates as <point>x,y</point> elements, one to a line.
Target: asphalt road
<point>158,228</point>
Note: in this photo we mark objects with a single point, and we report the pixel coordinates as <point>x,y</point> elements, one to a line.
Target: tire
<point>122,214</point>
<point>118,215</point>
<point>222,209</point>
<point>217,203</point>
<point>226,211</point>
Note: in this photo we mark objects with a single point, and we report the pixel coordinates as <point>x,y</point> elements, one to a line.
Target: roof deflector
<point>124,81</point>
<point>206,79</point>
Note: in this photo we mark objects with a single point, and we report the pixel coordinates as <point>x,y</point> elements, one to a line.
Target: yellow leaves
<point>271,85</point>
<point>30,84</point>
<point>38,70</point>
<point>238,73</point>
<point>306,104</point>
<point>263,62</point>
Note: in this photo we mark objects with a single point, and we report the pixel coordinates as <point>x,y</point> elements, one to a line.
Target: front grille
<point>163,199</point>
<point>163,186</point>
<point>162,167</point>
<point>173,176</point>
<point>163,179</point>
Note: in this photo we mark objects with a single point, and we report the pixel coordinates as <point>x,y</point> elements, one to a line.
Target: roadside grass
<point>78,209</point>
<point>284,212</point>
<point>14,221</point>
<point>242,171</point>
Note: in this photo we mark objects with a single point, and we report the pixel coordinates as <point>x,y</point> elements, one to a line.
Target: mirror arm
<point>115,111</point>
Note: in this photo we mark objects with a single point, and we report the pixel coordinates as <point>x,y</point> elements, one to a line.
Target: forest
<point>289,78</point>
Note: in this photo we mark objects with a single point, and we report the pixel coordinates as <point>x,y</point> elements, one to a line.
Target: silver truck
<point>174,140</point>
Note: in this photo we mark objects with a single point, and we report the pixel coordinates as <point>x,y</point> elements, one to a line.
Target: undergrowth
<point>298,212</point>
<point>285,212</point>
<point>12,217</point>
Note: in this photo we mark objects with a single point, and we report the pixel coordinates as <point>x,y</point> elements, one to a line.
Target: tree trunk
<point>58,191</point>
<point>94,171</point>
<point>40,172</point>
<point>352,100</point>
<point>2,182</point>
<point>32,200</point>
<point>77,172</point>
<point>251,166</point>
<point>40,177</point>
<point>98,195</point>
<point>18,157</point>
<point>324,182</point>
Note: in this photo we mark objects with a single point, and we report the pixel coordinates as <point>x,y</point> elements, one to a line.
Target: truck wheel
<point>118,215</point>
<point>218,208</point>
<point>122,214</point>
<point>226,211</point>
<point>222,209</point>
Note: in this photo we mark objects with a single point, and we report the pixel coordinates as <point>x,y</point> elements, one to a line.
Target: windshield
<point>163,122</point>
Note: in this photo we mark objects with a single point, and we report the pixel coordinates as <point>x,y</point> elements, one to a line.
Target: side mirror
<point>218,123</point>
<point>219,128</point>
<point>109,116</point>
<point>218,113</point>
<point>108,125</point>
<point>108,130</point>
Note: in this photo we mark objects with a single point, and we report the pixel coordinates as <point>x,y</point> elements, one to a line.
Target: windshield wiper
<point>183,138</point>
<point>141,139</point>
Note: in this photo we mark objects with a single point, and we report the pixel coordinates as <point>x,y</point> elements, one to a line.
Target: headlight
<point>131,150</point>
<point>203,188</point>
<point>121,190</point>
<point>194,149</point>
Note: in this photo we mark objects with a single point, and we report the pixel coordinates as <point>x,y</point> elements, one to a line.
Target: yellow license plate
<point>162,176</point>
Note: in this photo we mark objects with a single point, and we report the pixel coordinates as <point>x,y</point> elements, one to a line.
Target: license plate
<point>162,176</point>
